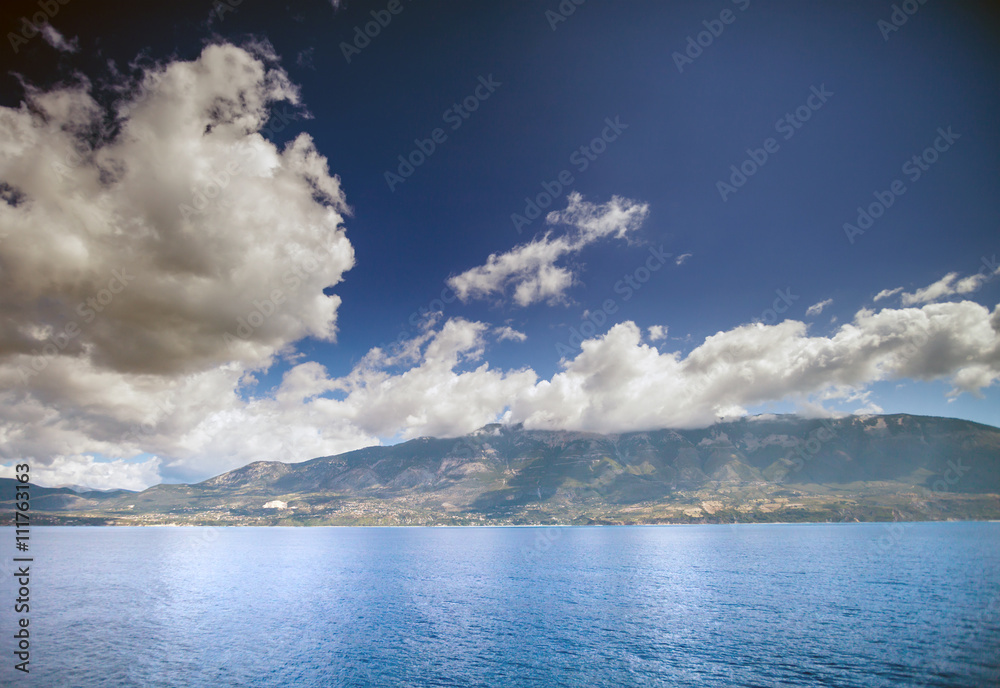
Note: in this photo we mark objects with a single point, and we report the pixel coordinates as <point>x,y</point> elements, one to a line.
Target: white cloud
<point>657,332</point>
<point>57,41</point>
<point>507,332</point>
<point>85,471</point>
<point>530,270</point>
<point>869,409</point>
<point>817,308</point>
<point>161,263</point>
<point>943,287</point>
<point>886,293</point>
<point>949,285</point>
<point>157,242</point>
<point>617,383</point>
<point>681,259</point>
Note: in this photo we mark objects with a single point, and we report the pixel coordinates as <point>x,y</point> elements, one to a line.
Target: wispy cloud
<point>886,293</point>
<point>949,285</point>
<point>57,41</point>
<point>506,332</point>
<point>305,58</point>
<point>817,308</point>
<point>531,271</point>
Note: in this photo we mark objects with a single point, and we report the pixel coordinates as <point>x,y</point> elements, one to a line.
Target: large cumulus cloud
<point>154,253</point>
<point>139,250</point>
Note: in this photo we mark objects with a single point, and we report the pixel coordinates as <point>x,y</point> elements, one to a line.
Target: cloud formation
<point>886,293</point>
<point>530,271</point>
<point>84,471</point>
<point>949,285</point>
<point>442,385</point>
<point>817,308</point>
<point>507,332</point>
<point>142,253</point>
<point>657,332</point>
<point>617,383</point>
<point>57,41</point>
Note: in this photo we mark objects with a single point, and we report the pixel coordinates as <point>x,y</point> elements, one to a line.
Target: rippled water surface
<point>741,605</point>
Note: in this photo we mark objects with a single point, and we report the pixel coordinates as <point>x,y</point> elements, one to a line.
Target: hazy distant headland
<point>758,469</point>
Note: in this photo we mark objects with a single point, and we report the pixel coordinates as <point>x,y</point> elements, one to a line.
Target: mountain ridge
<point>870,467</point>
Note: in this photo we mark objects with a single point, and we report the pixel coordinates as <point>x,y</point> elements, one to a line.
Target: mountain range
<point>761,468</point>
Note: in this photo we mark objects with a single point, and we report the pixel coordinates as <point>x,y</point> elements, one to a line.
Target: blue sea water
<point>742,605</point>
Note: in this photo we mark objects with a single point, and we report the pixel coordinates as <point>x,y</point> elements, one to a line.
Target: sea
<point>860,604</point>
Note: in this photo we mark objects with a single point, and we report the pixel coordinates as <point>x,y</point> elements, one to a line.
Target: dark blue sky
<point>886,96</point>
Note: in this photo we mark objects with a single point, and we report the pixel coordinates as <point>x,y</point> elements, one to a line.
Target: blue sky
<point>887,95</point>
